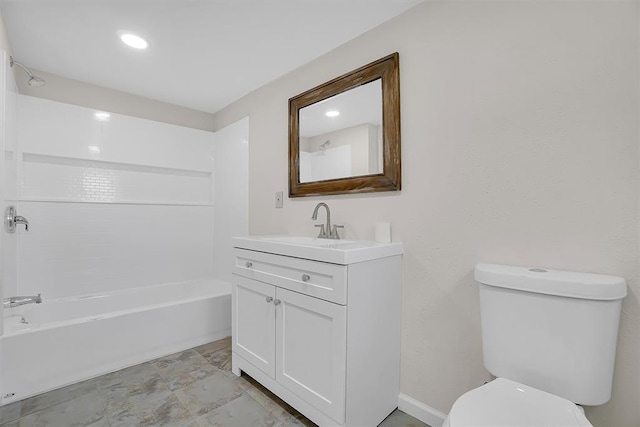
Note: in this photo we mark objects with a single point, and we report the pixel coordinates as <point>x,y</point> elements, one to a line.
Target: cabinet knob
<point>269,299</point>
<point>248,264</point>
<point>306,277</point>
<point>276,302</point>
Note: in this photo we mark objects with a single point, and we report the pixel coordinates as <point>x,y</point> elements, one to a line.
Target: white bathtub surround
<point>114,202</point>
<point>83,248</point>
<point>123,202</point>
<point>118,207</point>
<point>57,178</point>
<point>231,210</point>
<point>66,153</point>
<point>73,339</point>
<point>65,130</point>
<point>8,153</point>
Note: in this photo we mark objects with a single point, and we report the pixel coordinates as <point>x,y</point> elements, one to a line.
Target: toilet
<point>549,337</point>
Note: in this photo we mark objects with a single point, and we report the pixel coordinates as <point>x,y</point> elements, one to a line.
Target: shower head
<point>323,146</point>
<point>34,81</point>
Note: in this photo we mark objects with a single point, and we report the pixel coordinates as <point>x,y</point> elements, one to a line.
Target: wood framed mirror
<point>344,135</point>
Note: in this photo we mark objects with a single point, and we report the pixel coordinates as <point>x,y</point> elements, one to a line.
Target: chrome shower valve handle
<point>22,220</point>
<point>11,219</point>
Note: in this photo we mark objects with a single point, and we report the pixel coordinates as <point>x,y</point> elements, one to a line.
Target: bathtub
<point>63,341</point>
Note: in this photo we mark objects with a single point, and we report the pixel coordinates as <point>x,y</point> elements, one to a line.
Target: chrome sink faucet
<point>18,301</point>
<point>326,232</point>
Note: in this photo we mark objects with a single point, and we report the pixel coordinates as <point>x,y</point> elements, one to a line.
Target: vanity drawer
<point>318,279</point>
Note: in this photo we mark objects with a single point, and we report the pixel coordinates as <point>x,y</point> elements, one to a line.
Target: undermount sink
<point>336,251</point>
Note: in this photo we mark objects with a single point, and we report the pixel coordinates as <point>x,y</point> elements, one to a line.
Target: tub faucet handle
<point>11,218</point>
<point>18,219</point>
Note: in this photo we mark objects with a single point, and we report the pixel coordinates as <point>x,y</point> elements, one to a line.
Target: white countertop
<point>325,250</point>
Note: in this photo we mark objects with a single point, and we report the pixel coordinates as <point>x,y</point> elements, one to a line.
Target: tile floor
<point>193,388</point>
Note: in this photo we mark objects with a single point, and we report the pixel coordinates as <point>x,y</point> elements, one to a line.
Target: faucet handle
<point>11,218</point>
<point>323,233</point>
<point>334,232</point>
<point>18,219</point>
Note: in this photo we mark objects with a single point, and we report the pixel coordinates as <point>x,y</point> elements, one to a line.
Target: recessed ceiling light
<point>103,117</point>
<point>134,41</point>
<point>94,148</point>
<point>332,113</point>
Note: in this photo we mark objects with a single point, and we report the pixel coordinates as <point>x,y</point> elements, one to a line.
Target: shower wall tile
<point>125,202</point>
<point>74,249</point>
<point>112,204</point>
<point>67,154</point>
<point>58,129</point>
<point>42,180</point>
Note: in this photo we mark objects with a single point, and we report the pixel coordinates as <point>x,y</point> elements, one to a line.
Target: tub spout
<point>18,301</point>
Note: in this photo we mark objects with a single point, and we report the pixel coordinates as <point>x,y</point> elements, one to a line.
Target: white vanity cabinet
<point>324,337</point>
<point>284,340</point>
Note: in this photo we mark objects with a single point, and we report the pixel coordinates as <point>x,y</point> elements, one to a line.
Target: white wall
<point>232,194</point>
<point>8,108</point>
<point>112,204</point>
<point>4,39</point>
<point>519,146</point>
<point>9,179</point>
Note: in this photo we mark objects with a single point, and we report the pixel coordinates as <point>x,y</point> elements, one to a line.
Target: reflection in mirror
<point>344,135</point>
<point>341,136</point>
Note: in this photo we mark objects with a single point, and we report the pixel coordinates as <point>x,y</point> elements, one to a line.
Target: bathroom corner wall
<point>8,110</point>
<point>232,194</point>
<point>113,203</point>
<point>9,179</point>
<point>520,146</point>
<point>4,39</point>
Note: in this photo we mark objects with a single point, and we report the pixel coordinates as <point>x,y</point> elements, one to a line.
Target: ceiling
<point>356,106</point>
<point>203,54</point>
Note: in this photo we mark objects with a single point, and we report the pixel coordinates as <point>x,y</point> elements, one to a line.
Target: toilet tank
<point>552,330</point>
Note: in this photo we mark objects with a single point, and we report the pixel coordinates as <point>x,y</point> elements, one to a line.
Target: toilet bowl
<point>506,403</point>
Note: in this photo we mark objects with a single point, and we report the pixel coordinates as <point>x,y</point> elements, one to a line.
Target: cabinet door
<point>253,330</point>
<point>311,350</point>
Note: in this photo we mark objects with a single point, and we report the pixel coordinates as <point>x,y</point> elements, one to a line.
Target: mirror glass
<point>341,136</point>
<point>344,135</point>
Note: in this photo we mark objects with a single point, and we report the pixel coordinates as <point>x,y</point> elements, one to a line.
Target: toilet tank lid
<point>552,282</point>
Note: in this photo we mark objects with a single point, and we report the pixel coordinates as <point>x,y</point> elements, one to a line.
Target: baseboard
<point>419,410</point>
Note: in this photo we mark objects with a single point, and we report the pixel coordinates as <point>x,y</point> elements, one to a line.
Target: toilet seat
<point>503,403</point>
